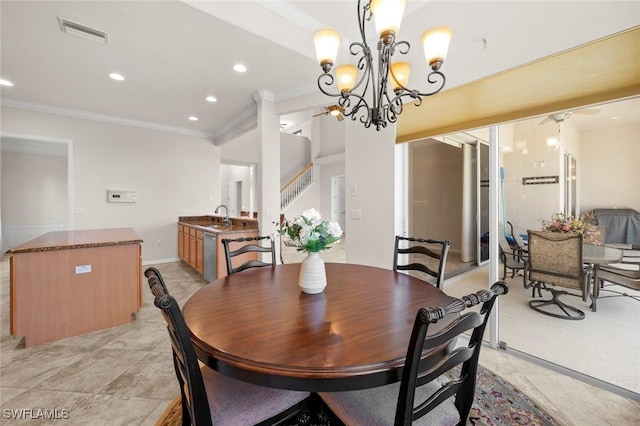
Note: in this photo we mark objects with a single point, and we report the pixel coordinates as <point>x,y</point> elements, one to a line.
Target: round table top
<point>258,326</point>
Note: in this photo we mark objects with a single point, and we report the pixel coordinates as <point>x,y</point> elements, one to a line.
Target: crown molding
<point>245,120</point>
<point>32,106</point>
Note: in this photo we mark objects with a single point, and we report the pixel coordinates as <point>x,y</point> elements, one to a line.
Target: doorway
<point>237,187</point>
<point>37,194</point>
<point>234,198</point>
<point>338,209</point>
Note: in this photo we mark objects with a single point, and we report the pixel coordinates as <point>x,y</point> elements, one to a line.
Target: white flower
<point>312,215</point>
<point>309,233</point>
<point>334,229</point>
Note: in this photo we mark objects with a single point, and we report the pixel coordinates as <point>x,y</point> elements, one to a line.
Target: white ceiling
<point>173,54</point>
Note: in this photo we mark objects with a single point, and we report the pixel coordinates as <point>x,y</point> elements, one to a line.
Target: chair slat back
<point>431,262</point>
<point>462,385</point>
<point>249,245</point>
<point>185,361</point>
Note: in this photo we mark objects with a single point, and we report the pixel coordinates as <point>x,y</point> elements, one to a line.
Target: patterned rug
<point>496,402</point>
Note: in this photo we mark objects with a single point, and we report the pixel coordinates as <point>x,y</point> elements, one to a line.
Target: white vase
<point>313,278</point>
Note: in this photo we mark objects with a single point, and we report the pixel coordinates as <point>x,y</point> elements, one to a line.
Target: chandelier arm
<point>432,78</point>
<point>329,79</point>
<point>364,64</point>
<point>352,111</point>
<point>402,46</point>
<point>363,11</point>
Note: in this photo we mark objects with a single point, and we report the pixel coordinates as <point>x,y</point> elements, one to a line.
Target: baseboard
<point>154,262</point>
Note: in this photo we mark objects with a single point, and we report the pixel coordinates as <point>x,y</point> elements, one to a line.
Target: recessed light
<point>617,117</point>
<point>240,68</point>
<point>116,76</point>
<point>211,98</point>
<point>193,118</point>
<point>4,82</point>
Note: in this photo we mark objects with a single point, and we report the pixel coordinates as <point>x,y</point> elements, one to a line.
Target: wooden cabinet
<point>181,241</point>
<point>191,246</point>
<point>200,252</point>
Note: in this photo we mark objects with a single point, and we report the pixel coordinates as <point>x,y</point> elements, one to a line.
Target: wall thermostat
<point>121,196</point>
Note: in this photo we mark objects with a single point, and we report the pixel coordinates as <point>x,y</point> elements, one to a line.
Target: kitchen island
<point>68,283</point>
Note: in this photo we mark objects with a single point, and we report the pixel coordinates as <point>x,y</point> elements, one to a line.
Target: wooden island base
<point>68,283</point>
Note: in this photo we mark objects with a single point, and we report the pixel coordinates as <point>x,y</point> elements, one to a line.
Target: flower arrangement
<point>561,222</point>
<point>308,232</point>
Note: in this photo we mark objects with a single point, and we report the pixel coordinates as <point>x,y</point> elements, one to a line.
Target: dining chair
<point>555,260</point>
<point>250,246</point>
<point>435,394</point>
<point>432,261</point>
<point>209,397</point>
<point>625,273</point>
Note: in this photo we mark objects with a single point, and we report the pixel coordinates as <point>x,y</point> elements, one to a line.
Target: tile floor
<point>124,375</point>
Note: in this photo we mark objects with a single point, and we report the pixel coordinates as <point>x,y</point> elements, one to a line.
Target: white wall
<point>173,174</point>
<point>369,170</point>
<point>332,132</point>
<point>528,205</point>
<point>295,153</point>
<point>609,172</point>
<point>243,149</point>
<point>35,196</point>
<point>36,187</point>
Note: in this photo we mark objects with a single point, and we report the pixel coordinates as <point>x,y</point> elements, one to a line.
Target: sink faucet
<point>226,216</point>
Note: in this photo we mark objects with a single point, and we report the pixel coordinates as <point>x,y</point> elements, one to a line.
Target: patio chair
<point>625,274</point>
<point>250,246</point>
<point>555,260</point>
<point>209,397</point>
<point>431,261</point>
<point>424,396</point>
<point>512,259</point>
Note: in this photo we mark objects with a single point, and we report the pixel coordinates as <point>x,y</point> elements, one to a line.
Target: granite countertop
<point>64,240</point>
<point>216,225</point>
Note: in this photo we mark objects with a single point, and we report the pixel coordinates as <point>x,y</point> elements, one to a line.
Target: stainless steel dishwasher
<point>210,257</point>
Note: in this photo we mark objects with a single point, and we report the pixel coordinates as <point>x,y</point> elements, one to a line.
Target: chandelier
<point>368,96</point>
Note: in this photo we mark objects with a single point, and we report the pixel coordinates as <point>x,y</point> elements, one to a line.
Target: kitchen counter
<point>215,224</point>
<point>64,240</point>
<point>200,241</point>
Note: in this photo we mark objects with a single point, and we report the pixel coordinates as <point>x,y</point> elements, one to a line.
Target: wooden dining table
<point>259,327</point>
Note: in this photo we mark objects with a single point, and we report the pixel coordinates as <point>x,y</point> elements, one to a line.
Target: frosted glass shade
<point>346,77</point>
<point>327,42</point>
<point>400,74</point>
<point>436,44</point>
<point>387,15</point>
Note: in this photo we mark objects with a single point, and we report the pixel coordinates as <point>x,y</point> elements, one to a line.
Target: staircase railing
<point>296,186</point>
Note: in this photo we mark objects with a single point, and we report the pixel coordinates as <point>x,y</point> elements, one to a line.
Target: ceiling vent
<point>83,31</point>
